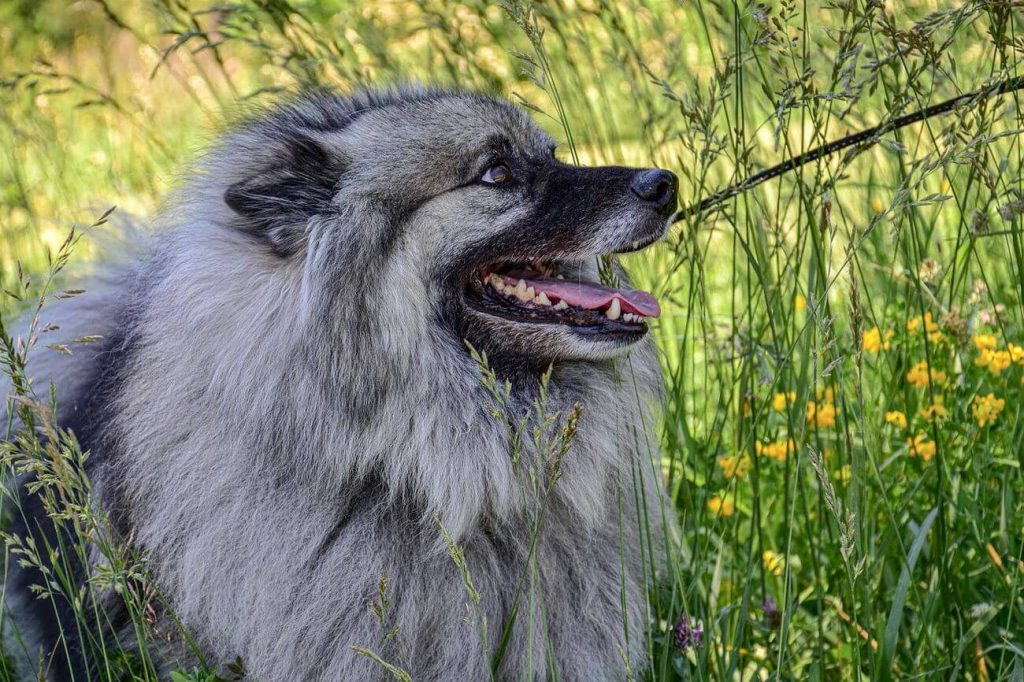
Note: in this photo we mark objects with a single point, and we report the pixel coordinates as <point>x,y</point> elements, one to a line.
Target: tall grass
<point>833,522</point>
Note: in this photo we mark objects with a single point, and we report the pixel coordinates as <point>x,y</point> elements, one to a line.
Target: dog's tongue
<point>588,295</point>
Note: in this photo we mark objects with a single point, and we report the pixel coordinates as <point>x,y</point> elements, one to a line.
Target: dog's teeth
<point>496,282</point>
<point>561,305</point>
<point>520,286</point>
<point>542,299</point>
<point>614,310</point>
<point>627,317</point>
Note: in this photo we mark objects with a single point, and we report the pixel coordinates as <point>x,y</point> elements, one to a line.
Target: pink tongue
<point>587,295</point>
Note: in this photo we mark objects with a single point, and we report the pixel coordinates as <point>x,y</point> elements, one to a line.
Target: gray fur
<point>297,407</point>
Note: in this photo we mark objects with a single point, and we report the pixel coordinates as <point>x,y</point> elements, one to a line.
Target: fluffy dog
<point>289,401</point>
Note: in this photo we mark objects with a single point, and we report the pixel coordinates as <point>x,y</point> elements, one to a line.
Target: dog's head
<point>449,213</point>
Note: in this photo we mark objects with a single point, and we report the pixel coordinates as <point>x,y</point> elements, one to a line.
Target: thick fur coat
<point>283,407</point>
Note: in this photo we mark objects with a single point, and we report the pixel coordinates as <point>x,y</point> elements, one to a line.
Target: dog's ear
<point>278,200</point>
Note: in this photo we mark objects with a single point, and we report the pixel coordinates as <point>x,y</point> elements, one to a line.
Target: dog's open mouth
<point>537,291</point>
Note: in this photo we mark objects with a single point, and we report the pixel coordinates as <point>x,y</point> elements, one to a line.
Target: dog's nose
<point>657,187</point>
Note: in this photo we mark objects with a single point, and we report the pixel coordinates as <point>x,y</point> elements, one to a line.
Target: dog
<point>326,380</point>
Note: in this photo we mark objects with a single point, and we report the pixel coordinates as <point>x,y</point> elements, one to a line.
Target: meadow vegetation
<point>843,347</point>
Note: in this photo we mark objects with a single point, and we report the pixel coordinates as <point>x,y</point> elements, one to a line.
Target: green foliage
<point>235,671</point>
<point>888,547</point>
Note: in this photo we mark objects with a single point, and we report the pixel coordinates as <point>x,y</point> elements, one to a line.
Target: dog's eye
<point>497,174</point>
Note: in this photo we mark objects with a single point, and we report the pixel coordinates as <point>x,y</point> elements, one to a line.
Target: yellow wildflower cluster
<point>844,474</point>
<point>873,341</point>
<point>721,506</point>
<point>823,412</point>
<point>1016,353</point>
<point>896,417</point>
<point>995,360</point>
<point>936,411</point>
<point>931,327</point>
<point>781,400</point>
<point>920,446</point>
<point>985,341</point>
<point>919,374</point>
<point>736,466</point>
<point>773,562</point>
<point>777,450</point>
<point>987,408</point>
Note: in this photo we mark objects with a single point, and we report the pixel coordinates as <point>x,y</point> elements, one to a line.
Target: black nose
<point>657,187</point>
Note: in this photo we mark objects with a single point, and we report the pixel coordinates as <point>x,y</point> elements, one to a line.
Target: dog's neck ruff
<point>389,399</point>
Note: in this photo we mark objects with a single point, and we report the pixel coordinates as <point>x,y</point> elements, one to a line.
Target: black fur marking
<point>568,203</point>
<point>278,202</point>
<point>364,495</point>
<point>91,417</point>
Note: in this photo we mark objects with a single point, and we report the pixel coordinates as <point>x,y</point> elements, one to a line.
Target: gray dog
<point>291,400</point>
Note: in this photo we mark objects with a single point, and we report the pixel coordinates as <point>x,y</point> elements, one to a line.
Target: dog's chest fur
<point>272,513</point>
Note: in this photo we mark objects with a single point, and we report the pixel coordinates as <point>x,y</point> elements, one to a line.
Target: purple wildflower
<point>687,633</point>
<point>772,615</point>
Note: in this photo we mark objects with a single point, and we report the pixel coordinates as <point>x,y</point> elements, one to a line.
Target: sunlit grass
<point>822,536</point>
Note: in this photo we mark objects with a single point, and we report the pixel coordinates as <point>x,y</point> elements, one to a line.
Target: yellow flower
<point>781,400</point>
<point>844,474</point>
<point>821,414</point>
<point>920,373</point>
<point>930,326</point>
<point>777,450</point>
<point>995,360</point>
<point>721,506</point>
<point>773,562</point>
<point>873,342</point>
<point>736,466</point>
<point>986,409</point>
<point>921,447</point>
<point>876,205</point>
<point>1017,353</point>
<point>800,303</point>
<point>936,411</point>
<point>896,417</point>
<point>985,341</point>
